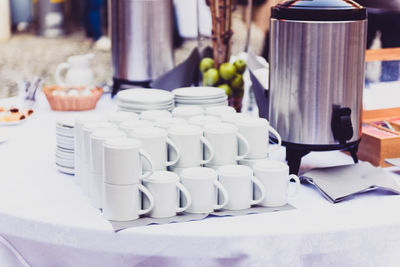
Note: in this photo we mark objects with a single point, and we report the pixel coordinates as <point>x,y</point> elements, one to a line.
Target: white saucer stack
<point>138,100</point>
<point>65,146</point>
<point>200,96</point>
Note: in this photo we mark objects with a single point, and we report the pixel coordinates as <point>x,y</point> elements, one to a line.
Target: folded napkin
<point>394,162</point>
<point>183,75</point>
<point>260,91</point>
<point>341,182</point>
<point>187,217</point>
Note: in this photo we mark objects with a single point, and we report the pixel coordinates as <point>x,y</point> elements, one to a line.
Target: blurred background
<point>38,35</point>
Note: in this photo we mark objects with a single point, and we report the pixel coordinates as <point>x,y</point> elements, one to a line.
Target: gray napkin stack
<point>341,182</point>
<point>394,162</point>
<point>187,217</point>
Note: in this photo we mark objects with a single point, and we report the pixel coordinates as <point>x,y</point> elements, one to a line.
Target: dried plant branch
<point>221,13</point>
<point>214,30</point>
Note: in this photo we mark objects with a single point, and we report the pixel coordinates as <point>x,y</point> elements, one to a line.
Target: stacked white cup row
<point>203,190</point>
<point>182,144</point>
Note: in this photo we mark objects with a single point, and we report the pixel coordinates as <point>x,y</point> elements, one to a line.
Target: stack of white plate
<point>138,100</point>
<point>65,146</point>
<point>200,96</point>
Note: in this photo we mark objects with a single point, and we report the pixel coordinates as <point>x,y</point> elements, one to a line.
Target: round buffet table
<point>46,220</point>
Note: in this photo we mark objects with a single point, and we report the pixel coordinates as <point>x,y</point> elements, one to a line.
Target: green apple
<point>226,88</point>
<point>227,71</point>
<point>211,77</point>
<point>237,82</point>
<point>206,64</point>
<point>240,65</point>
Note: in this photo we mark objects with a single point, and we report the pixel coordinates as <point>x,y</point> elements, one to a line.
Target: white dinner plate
<point>208,101</point>
<point>12,123</point>
<point>65,163</point>
<point>65,130</point>
<point>141,110</point>
<point>65,123</point>
<point>198,92</point>
<point>139,95</point>
<point>64,155</point>
<point>65,169</point>
<point>224,103</point>
<point>65,138</point>
<point>65,150</point>
<point>144,107</point>
<point>65,146</point>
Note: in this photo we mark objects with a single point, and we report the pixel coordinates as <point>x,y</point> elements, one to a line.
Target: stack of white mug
<point>123,180</point>
<point>113,151</point>
<point>256,131</point>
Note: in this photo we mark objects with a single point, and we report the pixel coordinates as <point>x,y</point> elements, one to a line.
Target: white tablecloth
<point>48,221</point>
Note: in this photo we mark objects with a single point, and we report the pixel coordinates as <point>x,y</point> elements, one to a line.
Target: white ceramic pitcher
<point>78,71</point>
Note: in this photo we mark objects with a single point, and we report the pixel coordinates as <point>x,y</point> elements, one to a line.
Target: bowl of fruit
<point>228,76</point>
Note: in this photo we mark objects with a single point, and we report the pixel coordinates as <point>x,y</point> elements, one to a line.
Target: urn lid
<point>319,10</point>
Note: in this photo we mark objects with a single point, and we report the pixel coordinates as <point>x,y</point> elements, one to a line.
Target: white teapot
<point>78,73</point>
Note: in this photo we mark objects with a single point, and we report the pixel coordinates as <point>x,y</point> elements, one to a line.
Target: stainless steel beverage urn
<point>142,40</point>
<point>317,50</point>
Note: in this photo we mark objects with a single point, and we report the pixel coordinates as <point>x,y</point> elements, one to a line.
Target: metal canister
<point>50,17</point>
<point>142,39</point>
<point>317,50</point>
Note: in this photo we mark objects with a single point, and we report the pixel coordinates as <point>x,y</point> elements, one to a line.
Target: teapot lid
<point>319,10</point>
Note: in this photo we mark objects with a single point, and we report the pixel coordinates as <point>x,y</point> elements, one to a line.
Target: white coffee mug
<point>164,186</point>
<point>238,181</point>
<point>97,139</point>
<point>224,138</point>
<point>78,143</point>
<point>122,202</point>
<point>122,161</point>
<point>88,128</point>
<point>250,162</point>
<point>165,123</point>
<point>256,131</point>
<point>189,140</point>
<point>233,117</point>
<point>186,112</point>
<point>274,175</point>
<point>129,125</point>
<point>203,120</point>
<point>219,111</point>
<point>120,116</point>
<point>156,143</point>
<point>154,114</point>
<point>202,184</point>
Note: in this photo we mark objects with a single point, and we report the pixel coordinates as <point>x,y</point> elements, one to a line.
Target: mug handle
<point>178,155</point>
<point>210,149</point>
<point>186,193</point>
<point>59,69</point>
<point>297,185</point>
<point>274,132</point>
<point>147,157</point>
<point>260,186</point>
<point>150,197</point>
<point>242,139</point>
<point>224,192</point>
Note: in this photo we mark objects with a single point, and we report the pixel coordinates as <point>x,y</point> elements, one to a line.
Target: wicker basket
<point>72,102</point>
